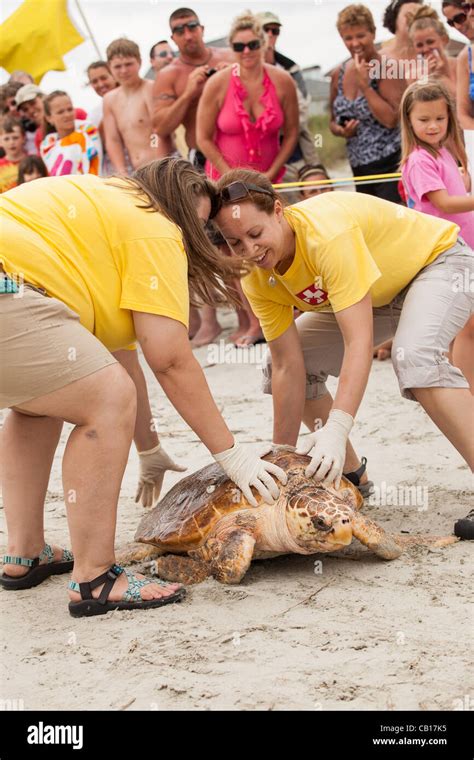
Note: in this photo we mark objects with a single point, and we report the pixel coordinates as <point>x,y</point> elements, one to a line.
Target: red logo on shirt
<point>313,295</point>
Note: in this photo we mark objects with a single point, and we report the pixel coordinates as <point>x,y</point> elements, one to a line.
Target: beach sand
<point>349,632</point>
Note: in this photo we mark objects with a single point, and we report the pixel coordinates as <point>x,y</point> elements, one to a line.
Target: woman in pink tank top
<point>242,112</point>
<point>245,107</point>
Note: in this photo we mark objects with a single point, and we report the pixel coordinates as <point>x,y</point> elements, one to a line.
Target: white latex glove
<point>246,469</point>
<point>327,448</point>
<point>153,465</point>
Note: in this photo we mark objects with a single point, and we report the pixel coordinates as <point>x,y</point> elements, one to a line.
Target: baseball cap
<point>267,17</point>
<point>26,93</point>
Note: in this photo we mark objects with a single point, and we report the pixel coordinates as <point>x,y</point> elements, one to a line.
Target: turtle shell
<point>187,513</point>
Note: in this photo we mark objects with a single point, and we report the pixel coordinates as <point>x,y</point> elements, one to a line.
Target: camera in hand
<point>342,120</point>
<point>29,125</point>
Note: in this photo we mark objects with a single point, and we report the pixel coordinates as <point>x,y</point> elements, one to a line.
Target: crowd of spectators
<point>245,105</point>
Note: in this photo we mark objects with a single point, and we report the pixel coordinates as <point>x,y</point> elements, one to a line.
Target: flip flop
<point>131,599</point>
<point>37,573</point>
<point>365,488</point>
<point>255,341</point>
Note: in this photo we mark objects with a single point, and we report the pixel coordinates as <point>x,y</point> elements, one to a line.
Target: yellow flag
<point>36,36</point>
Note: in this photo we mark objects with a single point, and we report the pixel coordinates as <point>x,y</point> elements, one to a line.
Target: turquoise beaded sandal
<point>37,573</point>
<point>131,599</point>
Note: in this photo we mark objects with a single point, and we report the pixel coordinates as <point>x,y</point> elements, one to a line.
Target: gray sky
<point>309,35</point>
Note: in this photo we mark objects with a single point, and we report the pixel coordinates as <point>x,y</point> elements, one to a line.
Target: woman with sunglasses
<point>104,263</point>
<point>244,108</point>
<point>241,114</point>
<point>338,258</point>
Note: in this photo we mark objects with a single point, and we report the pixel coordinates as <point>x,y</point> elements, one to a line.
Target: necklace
<point>272,281</point>
<point>195,65</point>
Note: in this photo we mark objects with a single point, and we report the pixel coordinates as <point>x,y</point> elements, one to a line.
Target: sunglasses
<point>191,25</point>
<point>239,47</point>
<point>275,30</point>
<point>467,7</point>
<point>163,54</point>
<point>236,191</point>
<point>459,19</point>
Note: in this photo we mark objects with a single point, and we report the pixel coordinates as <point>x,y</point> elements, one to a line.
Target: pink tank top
<point>243,143</point>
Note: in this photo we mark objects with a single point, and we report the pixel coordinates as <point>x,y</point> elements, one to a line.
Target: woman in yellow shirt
<point>91,265</point>
<point>363,270</point>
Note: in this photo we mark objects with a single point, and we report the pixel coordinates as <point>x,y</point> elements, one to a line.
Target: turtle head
<point>318,518</point>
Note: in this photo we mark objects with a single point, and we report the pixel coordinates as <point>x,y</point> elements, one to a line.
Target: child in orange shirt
<point>12,140</point>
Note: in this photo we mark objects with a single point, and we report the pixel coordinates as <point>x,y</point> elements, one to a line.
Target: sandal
<point>464,528</point>
<point>37,573</point>
<point>365,488</point>
<point>131,599</point>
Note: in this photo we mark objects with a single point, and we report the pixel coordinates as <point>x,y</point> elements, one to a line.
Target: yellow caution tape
<point>394,175</point>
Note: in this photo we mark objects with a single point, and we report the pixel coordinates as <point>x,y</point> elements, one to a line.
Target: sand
<point>349,632</point>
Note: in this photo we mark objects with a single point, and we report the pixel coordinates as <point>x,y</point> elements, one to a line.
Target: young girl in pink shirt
<point>436,180</point>
<point>434,160</point>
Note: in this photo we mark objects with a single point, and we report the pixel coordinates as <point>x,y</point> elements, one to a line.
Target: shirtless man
<point>179,85</point>
<point>128,111</point>
<point>176,94</point>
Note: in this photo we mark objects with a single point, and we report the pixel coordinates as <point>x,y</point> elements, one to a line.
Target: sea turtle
<point>204,525</point>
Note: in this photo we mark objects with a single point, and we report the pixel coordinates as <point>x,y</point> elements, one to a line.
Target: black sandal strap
<point>107,579</point>
<point>355,476</point>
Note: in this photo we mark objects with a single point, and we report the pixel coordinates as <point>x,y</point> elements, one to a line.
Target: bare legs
<point>452,410</point>
<point>103,407</point>
<point>462,352</point>
<point>27,450</point>
<point>209,327</point>
<point>251,331</point>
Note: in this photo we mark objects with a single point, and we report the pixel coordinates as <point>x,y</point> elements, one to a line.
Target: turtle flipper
<point>383,544</point>
<point>179,569</point>
<point>135,552</point>
<point>229,556</point>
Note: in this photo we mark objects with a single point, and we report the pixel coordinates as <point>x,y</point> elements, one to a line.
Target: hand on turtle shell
<point>327,448</point>
<point>153,465</point>
<point>246,469</point>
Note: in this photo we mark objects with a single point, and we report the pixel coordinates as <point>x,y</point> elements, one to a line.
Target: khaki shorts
<point>43,347</point>
<point>423,320</point>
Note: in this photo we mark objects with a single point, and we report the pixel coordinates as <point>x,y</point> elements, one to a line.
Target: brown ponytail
<point>173,187</point>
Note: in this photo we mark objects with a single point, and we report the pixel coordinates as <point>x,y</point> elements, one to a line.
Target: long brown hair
<point>173,187</point>
<point>420,92</point>
<point>49,128</point>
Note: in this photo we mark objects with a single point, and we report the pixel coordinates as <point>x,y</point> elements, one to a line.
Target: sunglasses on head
<point>191,25</point>
<point>236,191</point>
<point>275,30</point>
<point>239,47</point>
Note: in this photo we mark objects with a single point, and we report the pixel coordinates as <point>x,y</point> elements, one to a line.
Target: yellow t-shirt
<point>84,240</point>
<point>347,244</point>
